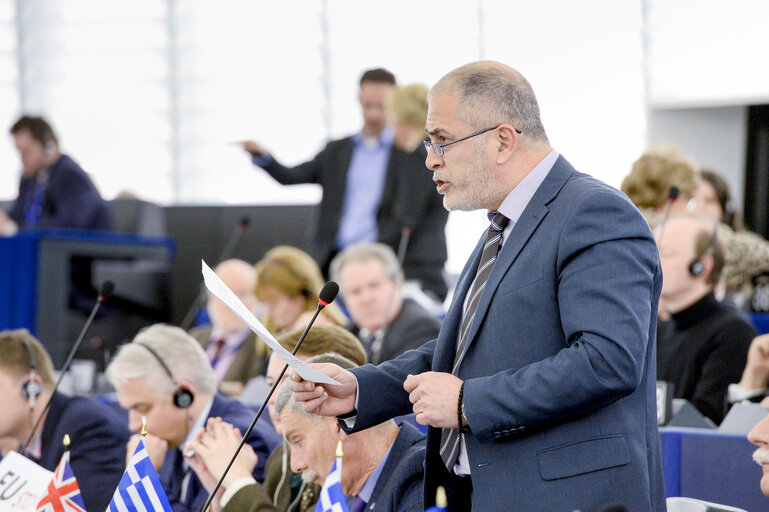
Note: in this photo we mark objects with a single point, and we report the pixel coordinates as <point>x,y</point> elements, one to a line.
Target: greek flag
<point>140,489</point>
<point>332,498</point>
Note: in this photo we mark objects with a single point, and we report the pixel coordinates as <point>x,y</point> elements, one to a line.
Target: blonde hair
<point>409,104</point>
<point>326,338</point>
<point>655,172</point>
<point>15,357</point>
<point>293,273</point>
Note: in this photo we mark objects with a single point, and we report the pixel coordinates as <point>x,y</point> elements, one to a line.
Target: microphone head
<point>328,293</point>
<point>244,222</point>
<point>673,193</point>
<point>106,290</point>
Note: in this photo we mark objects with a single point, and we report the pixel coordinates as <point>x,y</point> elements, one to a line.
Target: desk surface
<point>35,277</point>
<point>711,466</point>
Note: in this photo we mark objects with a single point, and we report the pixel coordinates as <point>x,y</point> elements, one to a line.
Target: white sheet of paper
<point>22,483</point>
<point>223,293</point>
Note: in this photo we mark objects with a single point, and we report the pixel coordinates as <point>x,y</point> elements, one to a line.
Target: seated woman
<point>288,281</point>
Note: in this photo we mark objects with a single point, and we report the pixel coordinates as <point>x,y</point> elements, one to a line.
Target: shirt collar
<point>385,138</point>
<point>233,339</point>
<point>518,198</point>
<point>200,422</point>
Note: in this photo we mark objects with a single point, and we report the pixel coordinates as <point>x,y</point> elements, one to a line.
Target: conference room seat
<point>144,284</point>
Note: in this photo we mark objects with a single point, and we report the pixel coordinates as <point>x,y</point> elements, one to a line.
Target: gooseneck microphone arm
<point>326,297</point>
<point>106,290</point>
<point>672,196</point>
<point>240,228</point>
<point>403,243</point>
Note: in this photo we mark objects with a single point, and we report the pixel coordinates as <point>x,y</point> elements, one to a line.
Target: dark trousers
<point>459,492</point>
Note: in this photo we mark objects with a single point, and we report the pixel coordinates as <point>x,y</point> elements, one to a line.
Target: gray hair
<point>180,352</point>
<point>367,251</point>
<point>491,94</point>
<point>286,396</point>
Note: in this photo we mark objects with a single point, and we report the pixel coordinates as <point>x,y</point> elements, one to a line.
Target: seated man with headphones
<point>54,192</point>
<point>97,433</point>
<point>165,376</point>
<point>704,345</point>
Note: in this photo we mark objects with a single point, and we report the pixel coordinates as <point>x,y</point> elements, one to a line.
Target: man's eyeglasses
<point>438,148</point>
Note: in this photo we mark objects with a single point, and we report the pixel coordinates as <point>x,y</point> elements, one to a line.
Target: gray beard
<point>482,192</point>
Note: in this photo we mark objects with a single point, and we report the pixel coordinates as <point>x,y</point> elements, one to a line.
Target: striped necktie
<point>450,437</point>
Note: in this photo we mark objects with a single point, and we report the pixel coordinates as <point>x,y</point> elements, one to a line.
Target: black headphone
<point>182,397</point>
<point>696,267</point>
<point>31,389</point>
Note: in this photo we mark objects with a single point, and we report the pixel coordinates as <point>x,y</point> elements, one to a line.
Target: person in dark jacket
<point>54,192</point>
<point>97,433</point>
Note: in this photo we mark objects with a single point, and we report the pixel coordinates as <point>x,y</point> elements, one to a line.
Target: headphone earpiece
<point>31,389</point>
<point>696,268</point>
<point>50,147</point>
<point>182,397</point>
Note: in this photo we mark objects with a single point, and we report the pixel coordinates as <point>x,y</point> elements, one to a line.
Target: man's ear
<point>707,264</point>
<point>507,143</point>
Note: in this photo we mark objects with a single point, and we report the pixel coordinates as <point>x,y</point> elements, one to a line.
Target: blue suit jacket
<point>400,485</point>
<point>560,371</point>
<point>263,440</point>
<point>70,200</point>
<point>97,453</point>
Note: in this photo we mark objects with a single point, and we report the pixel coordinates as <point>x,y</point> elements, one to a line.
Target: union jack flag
<point>63,493</point>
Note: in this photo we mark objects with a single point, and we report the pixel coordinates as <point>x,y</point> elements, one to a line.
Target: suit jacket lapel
<point>522,231</point>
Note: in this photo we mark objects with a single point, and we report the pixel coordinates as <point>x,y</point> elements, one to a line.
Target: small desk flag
<point>140,489</point>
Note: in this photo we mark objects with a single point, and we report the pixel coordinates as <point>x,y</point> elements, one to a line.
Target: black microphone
<point>106,290</point>
<point>673,193</point>
<point>325,297</point>
<point>229,247</point>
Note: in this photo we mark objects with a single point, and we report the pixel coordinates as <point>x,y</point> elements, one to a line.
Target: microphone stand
<point>403,243</point>
<point>106,291</point>
<point>321,304</point>
<point>226,252</point>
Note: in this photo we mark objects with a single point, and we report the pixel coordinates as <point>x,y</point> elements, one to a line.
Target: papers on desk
<point>223,293</point>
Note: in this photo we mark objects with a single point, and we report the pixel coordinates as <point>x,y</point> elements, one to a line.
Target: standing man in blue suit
<point>540,389</point>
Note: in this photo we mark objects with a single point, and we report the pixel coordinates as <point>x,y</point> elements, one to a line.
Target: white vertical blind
<point>9,97</point>
<point>707,53</point>
<point>98,71</point>
<point>247,70</point>
<point>149,95</point>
